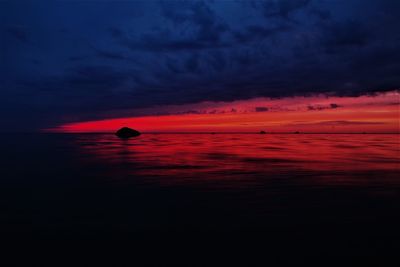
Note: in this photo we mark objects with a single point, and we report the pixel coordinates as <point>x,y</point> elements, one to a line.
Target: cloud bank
<point>70,60</point>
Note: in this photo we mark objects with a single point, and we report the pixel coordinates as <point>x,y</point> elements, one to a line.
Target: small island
<point>263,132</point>
<point>126,132</point>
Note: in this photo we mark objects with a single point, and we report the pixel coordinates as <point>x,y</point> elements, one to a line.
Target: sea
<point>336,195</point>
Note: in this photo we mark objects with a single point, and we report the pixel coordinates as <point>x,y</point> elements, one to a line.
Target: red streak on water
<point>248,159</point>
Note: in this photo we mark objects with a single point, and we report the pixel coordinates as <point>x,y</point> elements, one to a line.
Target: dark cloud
<point>261,109</point>
<point>192,63</point>
<point>199,15</point>
<point>97,78</point>
<point>76,58</point>
<point>135,54</point>
<point>116,33</point>
<point>19,33</point>
<point>347,34</point>
<point>165,42</point>
<point>283,8</point>
<point>217,60</point>
<point>322,107</point>
<point>190,112</point>
<point>110,55</point>
<point>113,55</point>
<point>257,32</point>
<point>333,105</point>
<point>205,30</point>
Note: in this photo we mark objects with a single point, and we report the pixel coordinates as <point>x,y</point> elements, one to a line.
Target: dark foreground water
<point>293,195</point>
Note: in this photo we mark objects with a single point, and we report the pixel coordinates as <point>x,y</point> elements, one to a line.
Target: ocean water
<point>313,190</point>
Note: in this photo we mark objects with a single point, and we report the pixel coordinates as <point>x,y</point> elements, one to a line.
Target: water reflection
<point>94,185</point>
<point>245,159</point>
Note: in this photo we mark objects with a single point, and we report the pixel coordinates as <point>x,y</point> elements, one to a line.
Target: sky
<point>276,65</point>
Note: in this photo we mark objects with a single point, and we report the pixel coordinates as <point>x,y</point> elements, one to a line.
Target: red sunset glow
<point>377,114</point>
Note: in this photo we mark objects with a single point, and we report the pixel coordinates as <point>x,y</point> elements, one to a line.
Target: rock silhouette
<point>126,132</point>
<point>263,132</point>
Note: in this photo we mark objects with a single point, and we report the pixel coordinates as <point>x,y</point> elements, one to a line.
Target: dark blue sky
<point>75,60</point>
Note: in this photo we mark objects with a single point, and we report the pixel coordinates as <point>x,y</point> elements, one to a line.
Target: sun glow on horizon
<point>368,113</point>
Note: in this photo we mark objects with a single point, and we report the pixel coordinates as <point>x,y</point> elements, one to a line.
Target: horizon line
<point>210,132</point>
